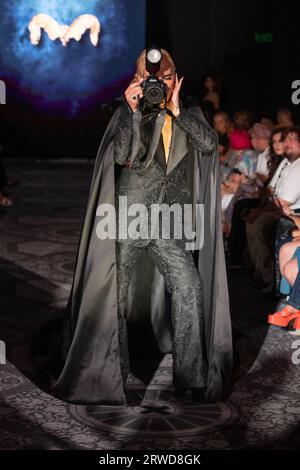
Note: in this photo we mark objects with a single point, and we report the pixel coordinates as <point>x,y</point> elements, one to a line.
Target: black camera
<point>154,90</point>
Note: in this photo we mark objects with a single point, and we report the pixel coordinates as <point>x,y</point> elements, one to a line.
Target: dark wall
<point>200,33</point>
<point>205,35</point>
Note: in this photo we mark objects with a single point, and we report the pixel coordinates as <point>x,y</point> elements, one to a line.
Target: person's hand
<point>251,216</point>
<point>226,229</point>
<point>296,220</point>
<point>134,93</point>
<point>296,235</point>
<point>260,177</point>
<point>286,210</point>
<point>174,102</point>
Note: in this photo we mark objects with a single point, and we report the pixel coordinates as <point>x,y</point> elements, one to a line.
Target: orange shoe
<point>283,320</point>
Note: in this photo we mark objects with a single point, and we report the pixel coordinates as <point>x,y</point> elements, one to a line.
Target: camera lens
<point>154,95</point>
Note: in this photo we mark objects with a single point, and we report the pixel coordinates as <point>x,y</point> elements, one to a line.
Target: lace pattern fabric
<point>184,284</point>
<point>201,135</point>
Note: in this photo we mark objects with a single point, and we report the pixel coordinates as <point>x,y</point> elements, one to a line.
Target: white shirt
<point>286,182</point>
<point>262,165</point>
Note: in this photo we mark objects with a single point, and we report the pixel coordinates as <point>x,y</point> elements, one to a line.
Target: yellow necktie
<point>167,134</point>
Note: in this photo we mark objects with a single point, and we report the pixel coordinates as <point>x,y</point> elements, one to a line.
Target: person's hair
<point>274,159</point>
<point>285,111</point>
<point>235,171</point>
<point>267,122</point>
<point>141,61</point>
<point>291,130</point>
<point>216,79</point>
<point>246,118</point>
<point>224,115</point>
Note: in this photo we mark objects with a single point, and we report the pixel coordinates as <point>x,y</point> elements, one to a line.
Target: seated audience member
<point>267,165</point>
<point>284,191</point>
<point>246,163</point>
<point>222,126</point>
<point>289,260</point>
<point>260,138</point>
<point>245,185</point>
<point>228,189</point>
<point>284,118</point>
<point>239,140</point>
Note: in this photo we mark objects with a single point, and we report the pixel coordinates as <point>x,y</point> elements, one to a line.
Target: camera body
<point>154,89</point>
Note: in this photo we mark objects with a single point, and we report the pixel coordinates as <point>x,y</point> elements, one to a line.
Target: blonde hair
<point>141,62</point>
<point>223,115</point>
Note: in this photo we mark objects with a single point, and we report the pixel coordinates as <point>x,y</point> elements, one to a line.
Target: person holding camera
<point>154,153</point>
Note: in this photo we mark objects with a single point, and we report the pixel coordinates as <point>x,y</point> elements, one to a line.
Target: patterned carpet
<point>38,241</point>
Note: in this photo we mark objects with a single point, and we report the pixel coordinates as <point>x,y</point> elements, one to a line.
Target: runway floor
<point>38,242</point>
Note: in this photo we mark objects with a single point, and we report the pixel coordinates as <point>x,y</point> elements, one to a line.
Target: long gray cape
<point>91,372</point>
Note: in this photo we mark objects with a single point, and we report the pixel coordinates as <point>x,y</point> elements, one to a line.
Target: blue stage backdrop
<point>73,77</point>
<point>54,93</point>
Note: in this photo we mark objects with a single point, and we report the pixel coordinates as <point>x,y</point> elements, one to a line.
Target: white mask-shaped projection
<point>63,32</point>
<point>79,27</point>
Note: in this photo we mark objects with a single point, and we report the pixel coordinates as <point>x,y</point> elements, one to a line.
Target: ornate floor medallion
<point>156,413</point>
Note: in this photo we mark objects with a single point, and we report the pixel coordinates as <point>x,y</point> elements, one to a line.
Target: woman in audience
<point>244,186</point>
<point>239,140</point>
<point>212,87</point>
<point>289,261</point>
<point>222,126</point>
